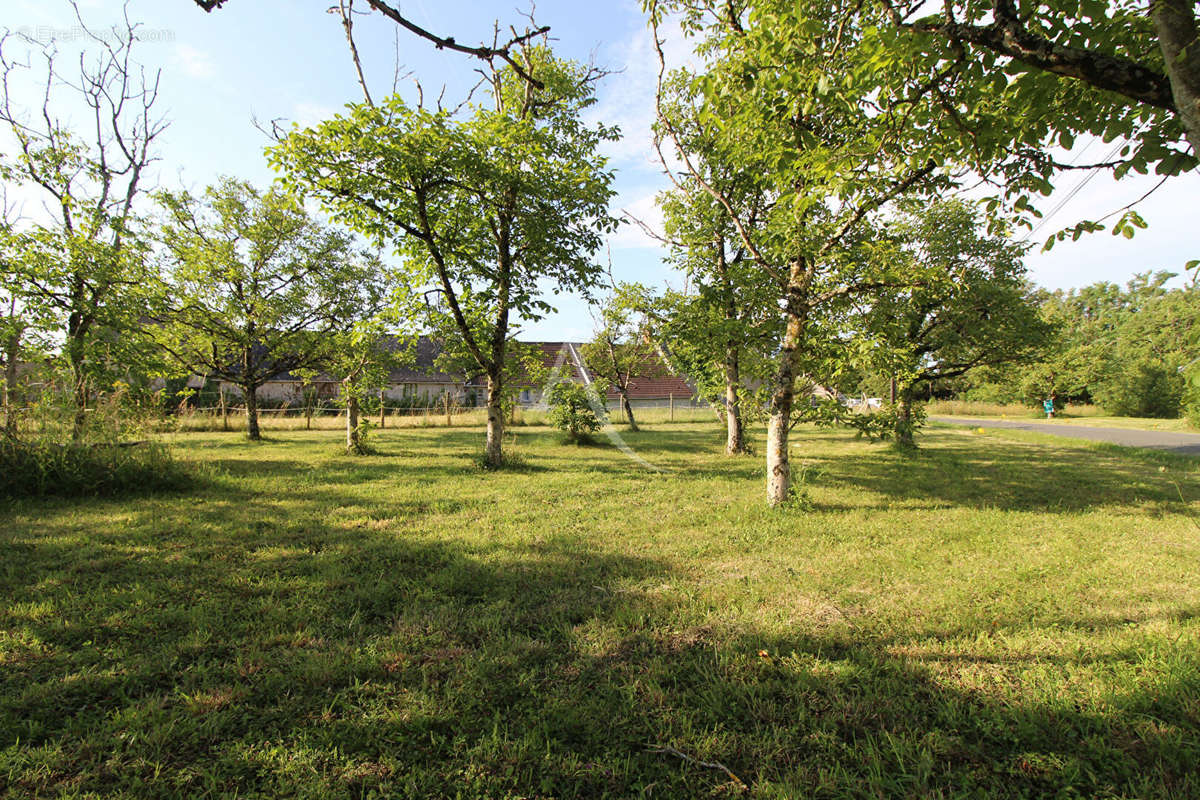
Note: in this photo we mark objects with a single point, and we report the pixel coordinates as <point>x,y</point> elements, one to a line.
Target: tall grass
<point>109,454</point>
<point>966,408</point>
<point>41,468</point>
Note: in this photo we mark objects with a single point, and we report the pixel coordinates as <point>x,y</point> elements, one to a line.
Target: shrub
<point>573,411</point>
<point>108,456</point>
<point>1191,398</point>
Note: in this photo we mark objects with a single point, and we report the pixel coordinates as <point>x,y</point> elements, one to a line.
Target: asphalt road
<point>1185,443</point>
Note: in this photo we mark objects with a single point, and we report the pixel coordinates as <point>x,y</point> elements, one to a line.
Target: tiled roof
<point>422,370</point>
<point>657,388</point>
<point>555,356</point>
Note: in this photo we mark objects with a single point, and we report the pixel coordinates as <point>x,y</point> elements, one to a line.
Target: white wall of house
<point>424,392</point>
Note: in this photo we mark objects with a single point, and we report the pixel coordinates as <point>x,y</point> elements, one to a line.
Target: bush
<point>572,411</point>
<point>43,468</point>
<point>1141,389</point>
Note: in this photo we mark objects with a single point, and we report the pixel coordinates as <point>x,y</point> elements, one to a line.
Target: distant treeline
<point>1132,350</point>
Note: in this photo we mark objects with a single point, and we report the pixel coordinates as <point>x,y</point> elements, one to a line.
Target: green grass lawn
<point>990,617</point>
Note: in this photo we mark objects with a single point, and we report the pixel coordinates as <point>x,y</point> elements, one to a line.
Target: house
<point>417,384</point>
<point>565,360</point>
<point>422,384</point>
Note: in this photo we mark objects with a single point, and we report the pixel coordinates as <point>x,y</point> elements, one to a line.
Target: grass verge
<point>1087,416</point>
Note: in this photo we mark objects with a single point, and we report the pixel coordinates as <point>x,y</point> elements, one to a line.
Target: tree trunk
<point>628,408</point>
<point>81,397</point>
<point>1175,24</point>
<point>493,454</point>
<point>352,439</point>
<point>74,349</point>
<point>13,346</point>
<point>250,394</point>
<point>779,468</point>
<point>903,429</point>
<point>735,431</point>
<point>783,386</point>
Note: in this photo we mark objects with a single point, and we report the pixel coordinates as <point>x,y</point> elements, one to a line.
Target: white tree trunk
<point>493,453</point>
<point>779,423</point>
<point>779,467</point>
<point>352,440</point>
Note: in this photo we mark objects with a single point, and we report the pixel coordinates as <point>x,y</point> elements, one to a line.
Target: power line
<point>1074,191</point>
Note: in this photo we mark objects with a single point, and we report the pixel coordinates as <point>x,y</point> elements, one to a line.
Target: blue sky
<point>287,59</point>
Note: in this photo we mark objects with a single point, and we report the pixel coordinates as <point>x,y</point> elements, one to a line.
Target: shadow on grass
<point>959,470</point>
<point>301,659</point>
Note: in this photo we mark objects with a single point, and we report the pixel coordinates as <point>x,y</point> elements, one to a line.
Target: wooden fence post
<point>671,405</point>
<point>382,412</point>
<point>224,409</point>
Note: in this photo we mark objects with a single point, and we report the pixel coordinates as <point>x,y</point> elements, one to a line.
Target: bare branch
<point>668,750</point>
<point>345,10</point>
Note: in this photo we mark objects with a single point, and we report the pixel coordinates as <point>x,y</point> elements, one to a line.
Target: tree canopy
<point>488,209</point>
<point>257,286</point>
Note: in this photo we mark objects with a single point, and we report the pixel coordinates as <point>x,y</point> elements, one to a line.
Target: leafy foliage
<point>971,307</point>
<point>80,276</point>
<point>487,210</point>
<point>623,349</point>
<point>257,286</point>
<point>575,409</point>
<point>1131,349</point>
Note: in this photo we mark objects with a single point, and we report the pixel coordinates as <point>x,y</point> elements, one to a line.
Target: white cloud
<point>193,61</point>
<point>309,114</point>
<point>626,98</point>
<point>641,207</point>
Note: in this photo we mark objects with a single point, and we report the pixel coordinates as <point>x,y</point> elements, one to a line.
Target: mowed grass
<point>989,617</point>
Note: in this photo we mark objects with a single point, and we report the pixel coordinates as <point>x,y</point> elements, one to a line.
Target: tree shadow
<point>302,658</point>
<point>951,471</point>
